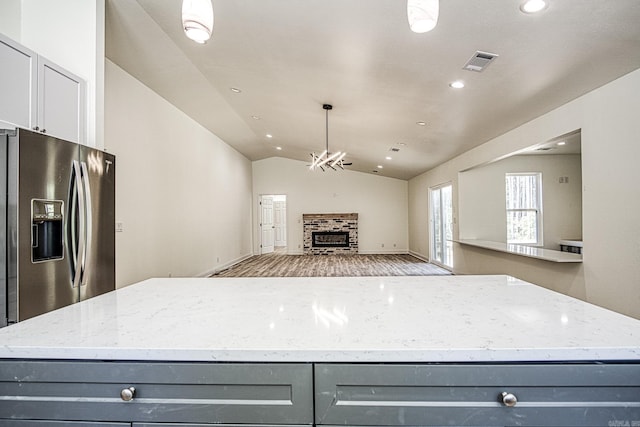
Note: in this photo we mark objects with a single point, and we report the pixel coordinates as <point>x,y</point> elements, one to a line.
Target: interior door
<point>280,222</point>
<point>441,214</point>
<point>267,227</point>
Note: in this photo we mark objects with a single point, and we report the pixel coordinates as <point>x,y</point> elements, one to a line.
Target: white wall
<point>482,196</point>
<point>71,34</point>
<point>10,18</point>
<point>182,194</point>
<point>380,202</point>
<point>610,130</point>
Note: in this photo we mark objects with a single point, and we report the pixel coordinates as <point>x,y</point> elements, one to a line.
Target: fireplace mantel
<point>330,222</point>
<point>352,216</point>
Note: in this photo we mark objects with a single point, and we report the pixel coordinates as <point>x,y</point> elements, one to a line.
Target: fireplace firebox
<point>330,239</point>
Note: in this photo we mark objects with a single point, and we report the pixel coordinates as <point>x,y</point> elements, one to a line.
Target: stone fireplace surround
<point>330,222</point>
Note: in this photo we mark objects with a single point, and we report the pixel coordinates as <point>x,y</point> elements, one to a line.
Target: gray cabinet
<point>39,95</point>
<point>150,394</point>
<point>198,393</point>
<point>477,395</point>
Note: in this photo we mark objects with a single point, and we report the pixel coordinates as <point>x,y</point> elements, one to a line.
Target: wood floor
<point>279,265</point>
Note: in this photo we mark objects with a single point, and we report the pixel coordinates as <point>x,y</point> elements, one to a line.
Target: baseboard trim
<point>225,266</point>
<point>384,252</point>
<point>419,256</point>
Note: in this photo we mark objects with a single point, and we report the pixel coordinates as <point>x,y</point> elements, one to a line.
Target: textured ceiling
<point>290,56</point>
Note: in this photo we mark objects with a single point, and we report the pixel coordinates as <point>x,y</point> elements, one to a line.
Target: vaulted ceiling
<point>288,57</point>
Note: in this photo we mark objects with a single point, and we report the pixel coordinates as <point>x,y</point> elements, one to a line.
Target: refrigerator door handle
<point>88,225</point>
<point>76,259</point>
<point>72,224</point>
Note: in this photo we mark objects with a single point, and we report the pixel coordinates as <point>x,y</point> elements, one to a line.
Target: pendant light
<point>327,159</point>
<point>197,19</point>
<point>422,15</point>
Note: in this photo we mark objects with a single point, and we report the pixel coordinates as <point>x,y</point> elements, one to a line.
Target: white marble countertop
<point>357,319</point>
<point>523,250</point>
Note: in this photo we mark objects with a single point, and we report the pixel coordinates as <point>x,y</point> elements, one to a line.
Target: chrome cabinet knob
<point>509,399</point>
<point>127,394</point>
<point>36,128</point>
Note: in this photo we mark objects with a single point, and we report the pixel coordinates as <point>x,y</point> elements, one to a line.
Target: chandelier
<point>327,159</point>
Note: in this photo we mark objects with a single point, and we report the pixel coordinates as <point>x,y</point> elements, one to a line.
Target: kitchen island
<point>367,351</point>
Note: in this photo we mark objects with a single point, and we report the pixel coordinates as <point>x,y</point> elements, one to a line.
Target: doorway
<point>273,223</point>
<point>441,229</point>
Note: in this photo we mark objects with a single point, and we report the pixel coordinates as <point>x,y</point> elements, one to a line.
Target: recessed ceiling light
<point>401,144</point>
<point>458,84</point>
<point>421,123</point>
<point>380,167</point>
<point>278,148</point>
<point>235,90</point>
<point>561,143</point>
<point>269,135</point>
<point>255,117</point>
<point>388,157</point>
<point>533,6</point>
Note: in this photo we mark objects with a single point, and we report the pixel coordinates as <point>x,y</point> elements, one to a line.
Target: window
<point>524,208</point>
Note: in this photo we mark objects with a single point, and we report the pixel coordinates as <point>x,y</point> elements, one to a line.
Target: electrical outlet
<point>383,245</point>
<point>119,227</point>
<point>217,259</point>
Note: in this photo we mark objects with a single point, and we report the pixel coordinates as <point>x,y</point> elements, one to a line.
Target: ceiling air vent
<point>479,61</point>
<point>394,149</point>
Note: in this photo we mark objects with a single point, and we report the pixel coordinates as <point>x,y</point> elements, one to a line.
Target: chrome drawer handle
<point>127,394</point>
<point>509,399</point>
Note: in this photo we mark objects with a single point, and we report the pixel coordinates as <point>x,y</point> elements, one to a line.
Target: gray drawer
<point>164,392</point>
<point>40,423</point>
<point>471,395</point>
<point>206,425</point>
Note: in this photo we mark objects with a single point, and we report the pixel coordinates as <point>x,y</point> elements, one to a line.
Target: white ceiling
<point>291,56</point>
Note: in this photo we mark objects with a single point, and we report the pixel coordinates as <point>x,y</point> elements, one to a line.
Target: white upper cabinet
<point>39,95</point>
<point>60,102</point>
<point>18,84</point>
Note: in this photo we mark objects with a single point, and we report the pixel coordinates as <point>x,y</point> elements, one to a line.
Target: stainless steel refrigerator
<point>59,219</point>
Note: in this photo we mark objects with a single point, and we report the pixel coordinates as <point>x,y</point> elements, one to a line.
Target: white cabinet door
<point>37,94</point>
<point>18,91</point>
<point>60,102</point>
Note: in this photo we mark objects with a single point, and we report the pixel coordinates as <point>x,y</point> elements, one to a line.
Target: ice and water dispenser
<point>47,230</point>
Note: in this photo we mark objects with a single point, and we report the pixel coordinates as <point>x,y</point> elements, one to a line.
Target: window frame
<point>539,211</point>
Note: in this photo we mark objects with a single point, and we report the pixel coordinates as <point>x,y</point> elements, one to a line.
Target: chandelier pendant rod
<point>327,107</point>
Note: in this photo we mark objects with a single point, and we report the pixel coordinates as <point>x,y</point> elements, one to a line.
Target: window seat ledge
<point>522,250</point>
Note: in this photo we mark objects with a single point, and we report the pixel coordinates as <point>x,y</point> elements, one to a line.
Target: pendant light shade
<point>422,15</point>
<point>197,19</point>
